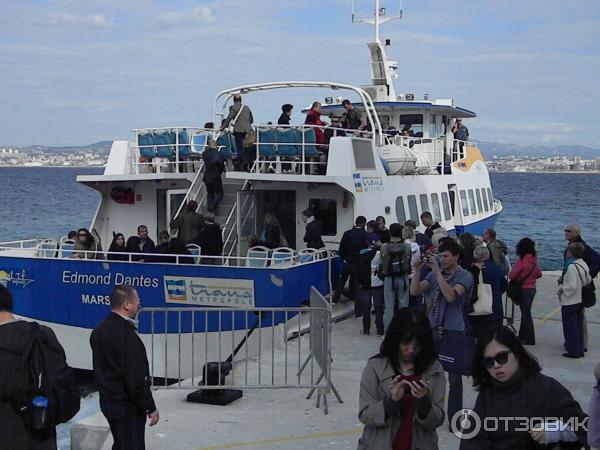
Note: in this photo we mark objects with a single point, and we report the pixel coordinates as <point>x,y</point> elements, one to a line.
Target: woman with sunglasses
<point>512,391</point>
<point>402,388</point>
<point>86,247</point>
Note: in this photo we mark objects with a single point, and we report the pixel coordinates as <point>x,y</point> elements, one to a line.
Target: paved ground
<point>284,419</point>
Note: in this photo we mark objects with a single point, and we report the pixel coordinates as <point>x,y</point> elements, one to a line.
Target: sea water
<point>48,202</point>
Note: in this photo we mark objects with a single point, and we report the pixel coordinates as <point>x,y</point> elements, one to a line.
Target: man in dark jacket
<point>121,371</point>
<point>141,244</point>
<point>313,230</point>
<point>286,114</point>
<point>188,223</point>
<point>211,241</point>
<point>353,241</point>
<point>213,169</point>
<point>15,339</point>
<point>427,220</point>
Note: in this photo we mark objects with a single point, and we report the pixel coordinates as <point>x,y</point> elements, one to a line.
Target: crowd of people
<point>435,283</point>
<point>190,227</point>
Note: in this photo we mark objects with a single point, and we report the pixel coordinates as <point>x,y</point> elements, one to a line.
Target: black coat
<point>353,241</point>
<point>211,240</point>
<point>430,229</point>
<point>15,339</point>
<point>284,119</point>
<point>213,166</point>
<point>121,369</point>
<point>536,396</point>
<point>133,246</point>
<point>313,235</point>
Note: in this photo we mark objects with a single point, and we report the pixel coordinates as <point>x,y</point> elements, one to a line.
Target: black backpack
<point>44,372</point>
<point>399,263</point>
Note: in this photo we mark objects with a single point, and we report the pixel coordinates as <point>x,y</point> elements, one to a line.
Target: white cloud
<point>92,20</point>
<point>200,14</point>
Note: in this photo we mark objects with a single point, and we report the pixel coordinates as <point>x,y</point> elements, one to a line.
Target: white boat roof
<point>453,111</point>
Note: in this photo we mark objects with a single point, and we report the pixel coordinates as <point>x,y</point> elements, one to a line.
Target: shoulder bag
<point>484,304</point>
<point>456,350</point>
<point>588,291</point>
<point>515,287</point>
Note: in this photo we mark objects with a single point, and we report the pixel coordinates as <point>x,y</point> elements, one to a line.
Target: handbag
<point>588,291</point>
<point>515,288</point>
<point>456,350</point>
<point>250,139</point>
<point>484,304</point>
<point>231,126</point>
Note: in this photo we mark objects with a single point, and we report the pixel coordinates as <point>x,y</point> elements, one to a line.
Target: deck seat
<point>268,137</point>
<point>257,256</point>
<point>286,142</point>
<point>163,140</point>
<point>199,143</point>
<point>307,255</point>
<point>146,144</point>
<point>47,248</point>
<point>196,252</point>
<point>184,148</point>
<point>309,139</point>
<point>66,248</point>
<point>283,257</point>
<point>226,144</point>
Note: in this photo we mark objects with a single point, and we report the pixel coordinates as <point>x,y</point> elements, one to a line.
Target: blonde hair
<point>438,234</point>
<point>409,233</point>
<point>481,253</point>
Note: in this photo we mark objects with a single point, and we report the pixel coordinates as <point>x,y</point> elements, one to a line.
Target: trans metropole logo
<point>466,424</point>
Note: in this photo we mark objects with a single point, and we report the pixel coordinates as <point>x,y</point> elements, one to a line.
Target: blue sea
<point>48,202</point>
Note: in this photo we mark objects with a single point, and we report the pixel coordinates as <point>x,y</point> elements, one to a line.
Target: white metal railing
<point>230,239</point>
<point>459,148</point>
<point>19,251</point>
<point>196,192</point>
<point>169,149</point>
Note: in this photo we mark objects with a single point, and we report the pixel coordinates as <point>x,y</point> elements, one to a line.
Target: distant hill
<point>100,148</point>
<point>490,149</point>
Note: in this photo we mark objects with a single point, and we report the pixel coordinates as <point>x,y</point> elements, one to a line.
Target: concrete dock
<point>285,419</point>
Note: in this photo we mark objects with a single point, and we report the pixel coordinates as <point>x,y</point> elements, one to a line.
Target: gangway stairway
<point>227,214</point>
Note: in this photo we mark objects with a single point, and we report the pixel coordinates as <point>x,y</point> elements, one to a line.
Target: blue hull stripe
<point>477,228</point>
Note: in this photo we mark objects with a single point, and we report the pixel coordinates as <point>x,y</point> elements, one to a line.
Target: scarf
<point>568,262</point>
<point>437,296</point>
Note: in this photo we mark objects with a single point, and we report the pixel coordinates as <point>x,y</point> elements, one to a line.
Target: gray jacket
<point>243,124</point>
<point>189,225</point>
<point>379,432</point>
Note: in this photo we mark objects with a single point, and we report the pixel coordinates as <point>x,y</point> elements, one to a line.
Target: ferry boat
<point>151,178</point>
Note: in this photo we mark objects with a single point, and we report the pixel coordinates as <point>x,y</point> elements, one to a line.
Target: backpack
<point>44,372</point>
<point>588,291</point>
<point>399,262</point>
<point>594,263</point>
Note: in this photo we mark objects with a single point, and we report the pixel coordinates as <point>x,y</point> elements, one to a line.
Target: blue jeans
<point>526,331</point>
<point>396,296</point>
<point>572,320</point>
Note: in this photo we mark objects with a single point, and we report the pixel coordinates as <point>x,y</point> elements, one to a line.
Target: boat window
<point>400,211</point>
<point>463,202</point>
<point>472,201</point>
<point>446,204</point>
<point>325,211</point>
<point>363,154</point>
<point>412,208</point>
<point>485,200</point>
<point>424,203</point>
<point>435,204</point>
<point>413,122</point>
<point>479,203</point>
<point>384,119</point>
<point>490,198</point>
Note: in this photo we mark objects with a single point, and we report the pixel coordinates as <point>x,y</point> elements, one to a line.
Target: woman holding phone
<point>402,388</point>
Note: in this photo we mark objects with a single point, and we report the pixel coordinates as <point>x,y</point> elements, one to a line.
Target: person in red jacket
<point>526,270</point>
<point>313,117</point>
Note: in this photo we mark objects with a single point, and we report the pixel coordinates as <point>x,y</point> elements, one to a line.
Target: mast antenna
<point>379,18</point>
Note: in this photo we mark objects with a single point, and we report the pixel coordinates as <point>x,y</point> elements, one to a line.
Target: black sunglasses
<point>501,358</point>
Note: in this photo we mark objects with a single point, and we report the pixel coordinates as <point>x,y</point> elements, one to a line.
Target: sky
<point>75,72</point>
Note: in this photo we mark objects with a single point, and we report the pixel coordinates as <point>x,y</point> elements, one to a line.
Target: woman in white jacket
<point>576,274</point>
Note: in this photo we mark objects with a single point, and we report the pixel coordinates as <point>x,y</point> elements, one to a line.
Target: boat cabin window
<point>325,211</point>
<point>385,121</point>
<point>413,123</point>
<point>424,203</point>
<point>435,203</point>
<point>485,200</point>
<point>479,202</point>
<point>436,126</point>
<point>400,211</point>
<point>472,201</point>
<point>463,202</point>
<point>446,204</point>
<point>412,208</point>
<point>363,154</point>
